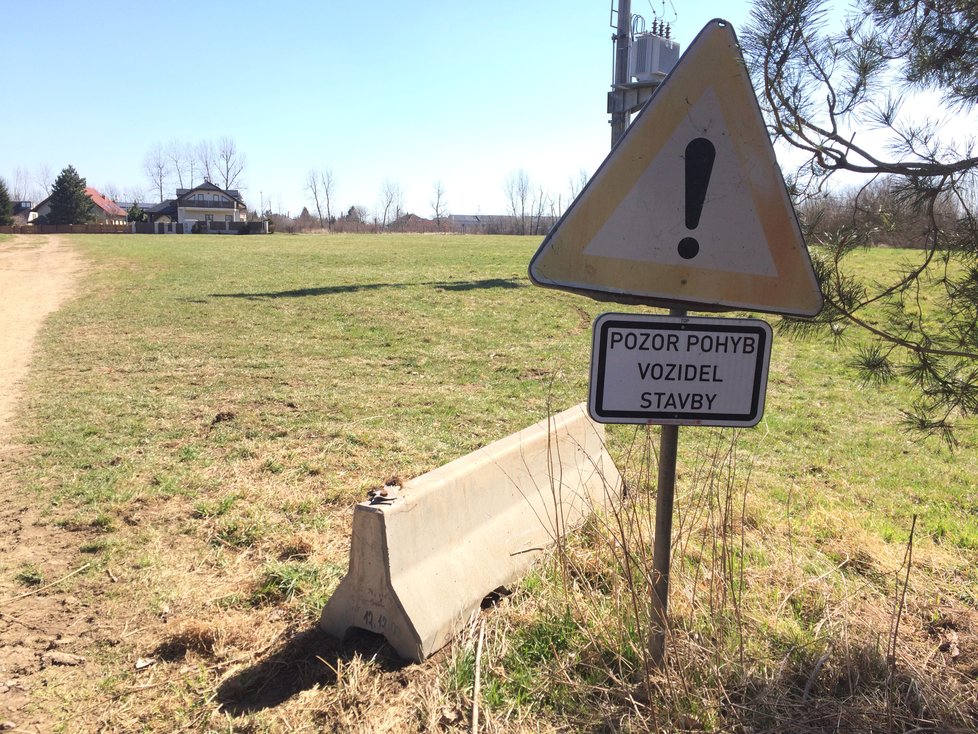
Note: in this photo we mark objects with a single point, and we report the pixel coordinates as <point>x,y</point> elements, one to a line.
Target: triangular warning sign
<point>690,207</point>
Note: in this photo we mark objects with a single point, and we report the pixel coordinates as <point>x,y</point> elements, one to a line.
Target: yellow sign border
<point>712,62</point>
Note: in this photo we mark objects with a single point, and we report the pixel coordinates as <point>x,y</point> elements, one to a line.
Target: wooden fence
<point>67,229</point>
<point>138,228</point>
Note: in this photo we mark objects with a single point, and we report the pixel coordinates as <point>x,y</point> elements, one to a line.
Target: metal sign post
<point>676,370</point>
<point>662,543</point>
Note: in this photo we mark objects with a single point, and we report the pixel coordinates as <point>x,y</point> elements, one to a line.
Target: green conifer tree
<point>824,81</point>
<point>6,208</point>
<point>136,213</point>
<point>69,203</point>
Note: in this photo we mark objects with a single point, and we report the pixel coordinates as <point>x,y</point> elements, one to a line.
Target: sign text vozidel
<point>672,370</point>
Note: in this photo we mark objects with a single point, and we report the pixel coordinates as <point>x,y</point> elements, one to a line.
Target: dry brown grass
<point>769,630</point>
<point>855,635</point>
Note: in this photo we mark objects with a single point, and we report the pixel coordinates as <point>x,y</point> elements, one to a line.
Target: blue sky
<point>413,93</point>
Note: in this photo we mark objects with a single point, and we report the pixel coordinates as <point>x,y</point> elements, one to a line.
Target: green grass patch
<point>282,581</point>
<point>214,508</point>
<point>215,402</point>
<point>94,546</point>
<point>30,575</point>
<point>242,531</point>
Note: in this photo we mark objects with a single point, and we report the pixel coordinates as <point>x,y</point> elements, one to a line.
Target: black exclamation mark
<point>699,165</point>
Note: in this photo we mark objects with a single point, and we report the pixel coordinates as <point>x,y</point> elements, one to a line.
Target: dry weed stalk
<point>742,599</point>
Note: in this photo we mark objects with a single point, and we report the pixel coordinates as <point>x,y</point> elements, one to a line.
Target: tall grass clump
<point>764,633</point>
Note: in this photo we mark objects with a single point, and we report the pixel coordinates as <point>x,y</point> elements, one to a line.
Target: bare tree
<point>328,187</point>
<point>321,185</point>
<point>205,158</point>
<point>391,200</point>
<point>438,205</point>
<point>157,168</point>
<point>230,163</point>
<point>312,186</point>
<point>556,208</point>
<point>111,191</point>
<point>181,160</point>
<point>541,202</point>
<point>191,164</point>
<point>44,178</point>
<point>518,195</point>
<point>22,184</point>
<point>398,202</point>
<point>134,193</point>
<point>577,184</point>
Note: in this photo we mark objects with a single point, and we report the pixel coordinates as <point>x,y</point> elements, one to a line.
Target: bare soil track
<point>39,627</point>
<point>36,275</point>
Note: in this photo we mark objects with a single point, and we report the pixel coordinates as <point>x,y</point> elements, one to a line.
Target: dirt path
<point>37,274</point>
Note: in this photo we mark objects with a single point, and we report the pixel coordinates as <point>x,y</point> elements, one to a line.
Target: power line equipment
<point>643,58</point>
<point>652,55</point>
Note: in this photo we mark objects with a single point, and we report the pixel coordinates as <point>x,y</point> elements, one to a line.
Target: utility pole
<point>627,96</point>
<point>620,115</point>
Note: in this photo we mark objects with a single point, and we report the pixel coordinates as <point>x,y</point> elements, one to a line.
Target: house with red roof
<point>106,211</point>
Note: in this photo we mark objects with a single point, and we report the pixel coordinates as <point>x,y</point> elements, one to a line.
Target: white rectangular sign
<point>671,370</point>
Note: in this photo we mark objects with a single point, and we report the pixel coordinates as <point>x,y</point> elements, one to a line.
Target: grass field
<point>202,417</point>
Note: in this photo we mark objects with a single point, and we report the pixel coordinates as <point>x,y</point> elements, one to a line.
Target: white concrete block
<point>422,563</point>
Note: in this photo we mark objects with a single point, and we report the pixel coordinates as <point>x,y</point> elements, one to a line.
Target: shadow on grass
<point>310,658</point>
<point>458,285</point>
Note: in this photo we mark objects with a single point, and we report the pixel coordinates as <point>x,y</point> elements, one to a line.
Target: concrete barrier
<point>423,558</point>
